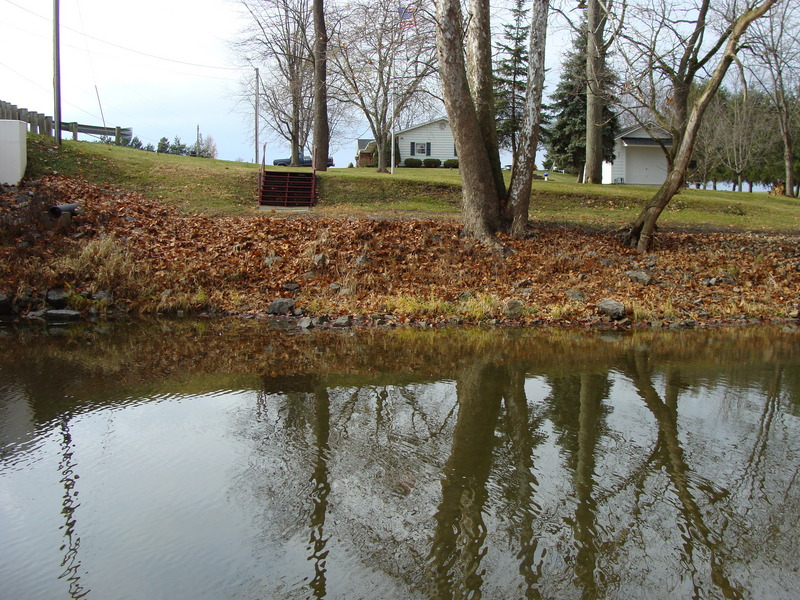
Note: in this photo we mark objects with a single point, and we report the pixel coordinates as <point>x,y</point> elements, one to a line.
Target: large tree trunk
<point>380,143</point>
<point>479,72</point>
<point>640,234</point>
<point>321,128</point>
<point>296,148</point>
<point>788,154</point>
<point>519,196</point>
<point>596,21</point>
<point>479,191</point>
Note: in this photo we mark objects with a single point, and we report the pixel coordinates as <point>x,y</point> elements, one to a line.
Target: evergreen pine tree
<point>565,139</point>
<point>511,77</point>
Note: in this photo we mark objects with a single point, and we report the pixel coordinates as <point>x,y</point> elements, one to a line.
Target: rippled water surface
<point>230,460</point>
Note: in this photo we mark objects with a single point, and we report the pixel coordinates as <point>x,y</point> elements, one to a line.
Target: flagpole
<point>391,77</point>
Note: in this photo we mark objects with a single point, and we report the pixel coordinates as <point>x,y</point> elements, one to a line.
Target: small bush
<point>432,163</point>
<point>451,163</point>
<point>412,162</point>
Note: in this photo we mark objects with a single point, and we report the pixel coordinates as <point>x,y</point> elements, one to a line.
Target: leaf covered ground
<point>148,258</point>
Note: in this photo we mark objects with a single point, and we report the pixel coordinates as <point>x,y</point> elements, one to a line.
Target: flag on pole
<point>407,20</point>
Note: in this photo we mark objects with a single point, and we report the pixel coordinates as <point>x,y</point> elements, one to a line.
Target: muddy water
<point>231,460</point>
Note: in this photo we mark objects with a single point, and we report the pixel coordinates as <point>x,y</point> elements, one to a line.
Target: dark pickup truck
<point>305,161</point>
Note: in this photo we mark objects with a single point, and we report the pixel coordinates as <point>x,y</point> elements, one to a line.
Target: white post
<point>258,83</point>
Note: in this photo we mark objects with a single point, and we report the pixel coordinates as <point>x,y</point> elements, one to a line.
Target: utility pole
<point>57,70</point>
<point>258,84</point>
<point>197,143</point>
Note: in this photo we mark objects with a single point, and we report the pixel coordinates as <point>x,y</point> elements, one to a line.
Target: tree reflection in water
<point>475,464</point>
<point>479,435</point>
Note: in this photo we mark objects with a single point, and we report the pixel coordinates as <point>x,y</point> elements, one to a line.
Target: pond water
<point>233,460</point>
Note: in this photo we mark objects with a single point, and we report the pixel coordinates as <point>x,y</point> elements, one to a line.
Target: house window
<point>420,149</point>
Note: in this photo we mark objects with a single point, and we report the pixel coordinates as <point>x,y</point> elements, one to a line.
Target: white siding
<point>642,165</point>
<point>438,134</point>
<point>615,172</point>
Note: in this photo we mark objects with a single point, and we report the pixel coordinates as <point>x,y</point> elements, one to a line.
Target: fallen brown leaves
<point>415,269</point>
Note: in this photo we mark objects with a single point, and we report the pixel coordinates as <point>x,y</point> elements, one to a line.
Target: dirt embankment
<point>127,253</point>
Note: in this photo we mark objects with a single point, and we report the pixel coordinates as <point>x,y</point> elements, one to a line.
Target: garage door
<point>645,165</point>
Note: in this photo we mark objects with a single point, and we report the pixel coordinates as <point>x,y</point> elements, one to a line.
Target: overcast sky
<point>161,67</point>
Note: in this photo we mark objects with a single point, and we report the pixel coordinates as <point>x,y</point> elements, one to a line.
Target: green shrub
<point>412,162</point>
<point>451,163</point>
<point>432,163</point>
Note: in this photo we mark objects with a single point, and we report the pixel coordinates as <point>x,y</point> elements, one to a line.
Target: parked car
<point>305,161</point>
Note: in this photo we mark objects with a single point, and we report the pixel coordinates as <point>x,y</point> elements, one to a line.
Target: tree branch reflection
<point>459,534</point>
<point>671,456</point>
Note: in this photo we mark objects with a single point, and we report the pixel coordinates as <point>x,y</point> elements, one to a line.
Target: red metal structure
<point>286,187</point>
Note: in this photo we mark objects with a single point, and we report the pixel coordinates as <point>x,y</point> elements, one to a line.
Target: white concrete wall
<point>13,151</point>
<point>438,134</point>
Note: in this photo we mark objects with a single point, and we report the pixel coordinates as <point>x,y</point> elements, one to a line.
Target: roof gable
<point>422,125</point>
<point>648,131</point>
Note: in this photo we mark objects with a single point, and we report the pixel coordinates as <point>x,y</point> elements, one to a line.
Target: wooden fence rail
<point>42,124</point>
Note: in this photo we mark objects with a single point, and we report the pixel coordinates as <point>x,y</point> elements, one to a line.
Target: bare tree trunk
<point>479,191</point>
<point>295,133</point>
<point>788,155</point>
<point>640,234</point>
<point>380,143</point>
<point>321,127</point>
<point>643,229</point>
<point>596,21</point>
<point>479,72</point>
<point>519,196</point>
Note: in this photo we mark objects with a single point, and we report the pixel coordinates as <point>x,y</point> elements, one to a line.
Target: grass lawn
<point>215,187</point>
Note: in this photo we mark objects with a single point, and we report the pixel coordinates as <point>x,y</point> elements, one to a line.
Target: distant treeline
<point>204,147</point>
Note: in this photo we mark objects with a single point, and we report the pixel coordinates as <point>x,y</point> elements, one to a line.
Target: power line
<point>36,84</point>
<point>147,54</point>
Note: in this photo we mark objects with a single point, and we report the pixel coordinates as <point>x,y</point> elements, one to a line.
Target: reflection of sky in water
<point>223,493</point>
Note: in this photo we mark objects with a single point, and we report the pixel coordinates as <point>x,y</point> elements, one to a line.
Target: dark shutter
<point>413,148</point>
<point>428,149</point>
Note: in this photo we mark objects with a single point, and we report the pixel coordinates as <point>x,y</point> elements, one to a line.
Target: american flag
<point>407,20</point>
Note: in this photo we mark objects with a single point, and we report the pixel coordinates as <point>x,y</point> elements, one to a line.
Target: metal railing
<point>45,125</point>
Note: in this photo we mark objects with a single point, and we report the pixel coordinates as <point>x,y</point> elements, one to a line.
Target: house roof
<point>368,144</point>
<point>422,125</point>
<point>640,141</point>
<point>651,130</point>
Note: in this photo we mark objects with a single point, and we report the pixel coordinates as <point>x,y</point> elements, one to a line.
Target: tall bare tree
<point>596,48</point>
<point>519,196</point>
<point>745,133</point>
<point>287,120</point>
<point>383,61</point>
<point>665,45</point>
<point>775,64</point>
<point>277,36</point>
<point>465,76</point>
<point>322,134</point>
<point>481,83</point>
